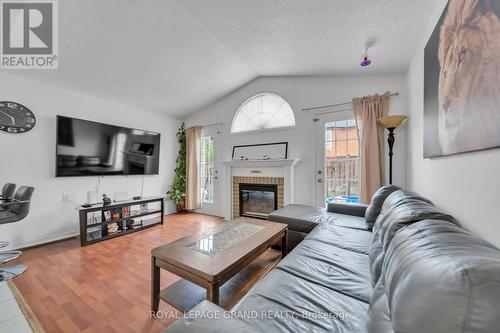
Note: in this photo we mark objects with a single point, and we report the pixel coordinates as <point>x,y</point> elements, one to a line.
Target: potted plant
<point>177,191</point>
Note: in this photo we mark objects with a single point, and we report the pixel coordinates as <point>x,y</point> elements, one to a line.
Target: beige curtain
<point>367,110</point>
<point>193,143</point>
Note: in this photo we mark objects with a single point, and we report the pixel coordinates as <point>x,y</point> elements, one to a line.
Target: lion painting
<point>469,76</point>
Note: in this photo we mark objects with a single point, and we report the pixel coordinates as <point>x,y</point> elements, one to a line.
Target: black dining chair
<point>15,210</point>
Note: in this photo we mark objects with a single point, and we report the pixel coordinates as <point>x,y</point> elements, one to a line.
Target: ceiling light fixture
<point>365,61</point>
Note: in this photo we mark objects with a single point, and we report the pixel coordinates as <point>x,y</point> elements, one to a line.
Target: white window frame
<point>262,129</point>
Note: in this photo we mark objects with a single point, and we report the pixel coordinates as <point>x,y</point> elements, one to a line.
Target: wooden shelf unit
<point>102,226</point>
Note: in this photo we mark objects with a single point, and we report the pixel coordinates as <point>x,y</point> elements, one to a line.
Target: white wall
<point>300,92</point>
<point>467,185</point>
<point>29,158</point>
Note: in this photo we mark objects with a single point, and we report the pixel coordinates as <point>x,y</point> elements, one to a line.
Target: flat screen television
<point>89,148</point>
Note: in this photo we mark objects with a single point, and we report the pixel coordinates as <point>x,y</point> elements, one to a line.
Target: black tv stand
<point>97,232</point>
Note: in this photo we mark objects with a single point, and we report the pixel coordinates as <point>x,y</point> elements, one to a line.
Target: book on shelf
<point>125,211</point>
<point>107,215</point>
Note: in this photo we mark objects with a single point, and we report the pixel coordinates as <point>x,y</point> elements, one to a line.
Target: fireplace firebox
<point>258,200</point>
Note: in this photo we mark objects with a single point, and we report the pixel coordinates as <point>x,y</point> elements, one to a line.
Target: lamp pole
<point>391,122</point>
<point>390,141</point>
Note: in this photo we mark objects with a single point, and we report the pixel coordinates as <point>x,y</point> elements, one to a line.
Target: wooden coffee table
<point>210,258</point>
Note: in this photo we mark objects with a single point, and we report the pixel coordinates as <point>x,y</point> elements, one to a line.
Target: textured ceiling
<point>175,56</point>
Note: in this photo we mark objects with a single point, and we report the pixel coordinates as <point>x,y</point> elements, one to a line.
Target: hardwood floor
<point>104,287</point>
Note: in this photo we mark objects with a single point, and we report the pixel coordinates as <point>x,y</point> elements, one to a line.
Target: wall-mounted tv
<point>88,148</point>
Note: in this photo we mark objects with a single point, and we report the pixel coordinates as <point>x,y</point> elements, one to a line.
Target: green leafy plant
<point>177,191</point>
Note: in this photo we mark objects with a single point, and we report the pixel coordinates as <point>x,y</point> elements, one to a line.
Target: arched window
<point>263,111</point>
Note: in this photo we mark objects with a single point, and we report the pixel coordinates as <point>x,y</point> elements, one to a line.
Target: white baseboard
<point>43,240</point>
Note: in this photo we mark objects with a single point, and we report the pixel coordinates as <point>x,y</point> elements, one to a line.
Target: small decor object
<point>116,214</point>
<point>112,228</point>
<point>462,80</point>
<point>144,207</point>
<point>105,200</point>
<point>391,123</point>
<point>129,223</point>
<point>177,192</point>
<point>91,197</point>
<point>15,118</point>
<point>94,218</point>
<point>107,215</point>
<point>366,61</point>
<point>137,224</point>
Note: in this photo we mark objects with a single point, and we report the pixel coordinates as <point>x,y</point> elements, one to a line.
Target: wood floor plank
<point>105,287</point>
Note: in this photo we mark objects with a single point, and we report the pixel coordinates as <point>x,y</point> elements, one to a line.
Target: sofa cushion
<point>398,198</point>
<point>437,277</point>
<point>405,212</point>
<point>351,239</point>
<point>335,268</point>
<point>354,209</point>
<point>375,206</point>
<point>375,257</point>
<point>298,217</point>
<point>305,218</point>
<point>401,208</point>
<point>299,305</point>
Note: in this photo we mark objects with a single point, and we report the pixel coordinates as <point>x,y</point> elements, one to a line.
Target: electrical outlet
<point>66,198</point>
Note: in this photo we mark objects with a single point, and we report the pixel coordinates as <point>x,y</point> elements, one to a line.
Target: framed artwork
<point>261,151</point>
<point>462,79</point>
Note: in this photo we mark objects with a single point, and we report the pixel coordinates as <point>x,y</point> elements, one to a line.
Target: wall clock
<point>15,118</point>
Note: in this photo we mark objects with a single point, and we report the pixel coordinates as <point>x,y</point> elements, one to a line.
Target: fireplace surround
<point>280,172</point>
<point>254,186</point>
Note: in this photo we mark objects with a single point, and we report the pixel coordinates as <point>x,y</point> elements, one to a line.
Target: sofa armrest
<point>354,209</point>
<point>207,317</point>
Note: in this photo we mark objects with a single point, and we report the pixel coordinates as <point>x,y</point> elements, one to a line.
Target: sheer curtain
<point>193,145</point>
<point>367,110</point>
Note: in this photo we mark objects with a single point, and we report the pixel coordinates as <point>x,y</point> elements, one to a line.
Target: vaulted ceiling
<point>176,56</point>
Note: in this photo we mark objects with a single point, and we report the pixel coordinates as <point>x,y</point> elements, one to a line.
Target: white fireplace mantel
<point>290,162</point>
<point>260,168</point>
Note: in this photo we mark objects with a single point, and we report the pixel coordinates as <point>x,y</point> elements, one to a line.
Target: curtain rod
<point>215,124</point>
<point>338,104</point>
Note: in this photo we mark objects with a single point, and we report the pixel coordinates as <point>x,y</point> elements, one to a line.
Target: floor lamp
<point>391,123</point>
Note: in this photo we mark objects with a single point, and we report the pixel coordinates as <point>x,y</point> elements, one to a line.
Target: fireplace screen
<point>258,200</point>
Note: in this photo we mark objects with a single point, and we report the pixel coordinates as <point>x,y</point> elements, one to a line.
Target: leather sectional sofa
<point>416,271</point>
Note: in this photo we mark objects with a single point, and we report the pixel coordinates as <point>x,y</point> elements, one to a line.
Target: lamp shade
<point>391,121</point>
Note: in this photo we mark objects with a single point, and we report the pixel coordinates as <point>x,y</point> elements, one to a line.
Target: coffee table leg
<point>213,293</point>
<point>155,286</point>
<point>284,245</point>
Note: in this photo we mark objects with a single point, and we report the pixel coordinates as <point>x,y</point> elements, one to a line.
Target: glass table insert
<point>214,244</point>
